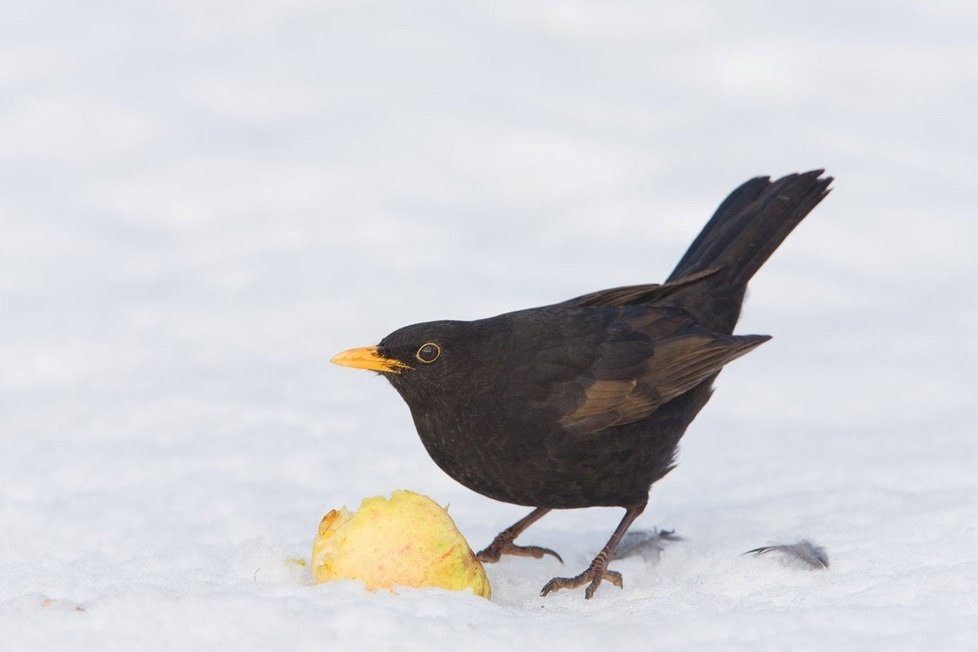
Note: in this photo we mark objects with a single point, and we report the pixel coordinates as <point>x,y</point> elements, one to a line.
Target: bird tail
<point>743,233</point>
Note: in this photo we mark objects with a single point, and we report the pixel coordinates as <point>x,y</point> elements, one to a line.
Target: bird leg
<point>598,570</point>
<point>503,543</point>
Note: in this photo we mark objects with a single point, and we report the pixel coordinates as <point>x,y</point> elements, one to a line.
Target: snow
<point>201,202</point>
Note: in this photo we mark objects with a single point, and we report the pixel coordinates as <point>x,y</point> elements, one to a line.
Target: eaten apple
<point>407,540</point>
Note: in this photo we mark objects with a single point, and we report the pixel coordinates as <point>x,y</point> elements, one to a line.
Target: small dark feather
<point>812,556</point>
<point>647,544</point>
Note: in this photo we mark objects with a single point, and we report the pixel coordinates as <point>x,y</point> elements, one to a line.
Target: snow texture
<point>202,201</point>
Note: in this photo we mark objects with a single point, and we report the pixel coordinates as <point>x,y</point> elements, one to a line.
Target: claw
<point>503,543</point>
<point>593,577</point>
<point>499,548</point>
<point>598,571</point>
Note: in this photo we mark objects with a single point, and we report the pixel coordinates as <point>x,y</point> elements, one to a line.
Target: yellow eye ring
<point>428,352</point>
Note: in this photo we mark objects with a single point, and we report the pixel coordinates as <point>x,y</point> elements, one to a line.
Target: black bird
<point>582,403</point>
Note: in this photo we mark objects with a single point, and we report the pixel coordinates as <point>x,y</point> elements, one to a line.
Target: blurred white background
<point>201,202</point>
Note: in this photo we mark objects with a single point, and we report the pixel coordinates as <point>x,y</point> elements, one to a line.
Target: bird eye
<point>428,352</point>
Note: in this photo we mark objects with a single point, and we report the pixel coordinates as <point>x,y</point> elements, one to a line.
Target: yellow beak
<point>367,357</point>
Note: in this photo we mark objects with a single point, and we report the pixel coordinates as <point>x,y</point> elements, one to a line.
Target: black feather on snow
<point>647,544</point>
<point>810,555</point>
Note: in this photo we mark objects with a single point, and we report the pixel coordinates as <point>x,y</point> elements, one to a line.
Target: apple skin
<point>408,540</point>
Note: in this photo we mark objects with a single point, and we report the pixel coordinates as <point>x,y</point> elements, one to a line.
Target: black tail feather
<point>743,233</point>
<point>751,223</point>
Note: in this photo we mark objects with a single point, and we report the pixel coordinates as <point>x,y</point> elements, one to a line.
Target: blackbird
<point>582,403</point>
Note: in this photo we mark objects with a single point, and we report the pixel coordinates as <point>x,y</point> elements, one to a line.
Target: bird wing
<point>632,294</point>
<point>630,377</point>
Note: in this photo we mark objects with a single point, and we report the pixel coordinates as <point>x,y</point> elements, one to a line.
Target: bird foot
<point>500,547</point>
<point>593,576</point>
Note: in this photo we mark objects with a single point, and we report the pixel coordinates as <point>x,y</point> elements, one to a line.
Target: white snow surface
<point>202,201</point>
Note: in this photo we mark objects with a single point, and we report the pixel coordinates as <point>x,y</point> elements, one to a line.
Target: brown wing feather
<point>673,364</point>
<point>608,403</point>
<point>681,363</point>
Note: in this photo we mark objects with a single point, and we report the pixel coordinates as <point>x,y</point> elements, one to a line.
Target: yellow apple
<point>409,540</point>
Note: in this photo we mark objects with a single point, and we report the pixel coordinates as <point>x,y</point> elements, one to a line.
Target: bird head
<point>419,360</point>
